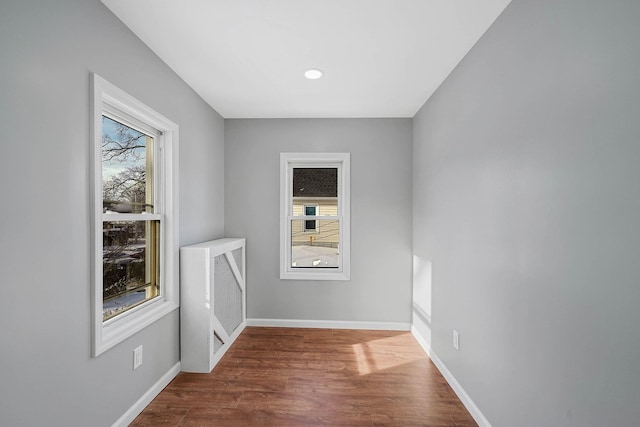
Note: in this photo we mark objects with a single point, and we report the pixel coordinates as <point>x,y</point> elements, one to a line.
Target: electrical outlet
<point>456,340</point>
<point>137,357</point>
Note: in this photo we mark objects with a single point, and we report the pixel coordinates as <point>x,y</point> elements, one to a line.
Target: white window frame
<point>107,98</point>
<point>289,161</point>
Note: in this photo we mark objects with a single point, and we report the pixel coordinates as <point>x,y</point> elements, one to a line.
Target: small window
<point>135,263</point>
<point>311,225</point>
<point>315,216</point>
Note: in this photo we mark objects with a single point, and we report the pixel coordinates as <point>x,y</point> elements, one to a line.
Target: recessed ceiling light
<point>313,74</point>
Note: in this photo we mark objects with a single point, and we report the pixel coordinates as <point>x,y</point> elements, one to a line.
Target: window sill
<point>315,275</point>
<point>113,332</point>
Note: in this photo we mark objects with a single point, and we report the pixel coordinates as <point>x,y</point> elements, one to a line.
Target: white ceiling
<point>246,58</point>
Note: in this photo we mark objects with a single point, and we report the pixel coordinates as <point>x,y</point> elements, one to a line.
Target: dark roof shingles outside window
<point>315,182</point>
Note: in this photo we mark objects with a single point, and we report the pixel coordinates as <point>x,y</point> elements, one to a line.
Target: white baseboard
<point>147,397</point>
<point>330,324</point>
<point>455,385</point>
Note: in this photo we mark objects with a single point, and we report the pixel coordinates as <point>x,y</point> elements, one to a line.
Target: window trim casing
<point>342,161</point>
<point>106,335</point>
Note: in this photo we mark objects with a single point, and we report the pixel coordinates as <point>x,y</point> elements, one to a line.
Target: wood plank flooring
<point>308,377</point>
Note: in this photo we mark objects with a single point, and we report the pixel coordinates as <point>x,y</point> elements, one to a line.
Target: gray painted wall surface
<point>526,202</point>
<point>380,286</point>
<point>47,51</point>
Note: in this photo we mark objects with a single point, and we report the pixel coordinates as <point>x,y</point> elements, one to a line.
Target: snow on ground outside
<point>314,256</point>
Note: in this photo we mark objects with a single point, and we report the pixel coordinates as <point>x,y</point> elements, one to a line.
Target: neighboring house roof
<point>315,182</point>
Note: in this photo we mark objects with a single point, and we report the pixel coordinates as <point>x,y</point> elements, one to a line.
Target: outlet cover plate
<point>137,358</point>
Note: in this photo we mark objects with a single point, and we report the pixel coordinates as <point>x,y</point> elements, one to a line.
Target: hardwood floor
<point>304,377</point>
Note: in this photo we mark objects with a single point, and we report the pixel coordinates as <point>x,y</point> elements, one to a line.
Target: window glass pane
<point>309,210</point>
<point>130,264</point>
<point>127,171</point>
<point>317,250</point>
<point>315,182</point>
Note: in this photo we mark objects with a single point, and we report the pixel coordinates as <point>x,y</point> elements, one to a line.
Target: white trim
<point>114,217</point>
<point>110,333</point>
<point>421,340</point>
<point>330,324</point>
<point>137,408</point>
<point>317,160</point>
<point>227,341</point>
<point>473,409</point>
<point>198,317</point>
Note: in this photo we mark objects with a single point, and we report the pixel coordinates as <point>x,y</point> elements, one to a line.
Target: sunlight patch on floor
<point>374,356</point>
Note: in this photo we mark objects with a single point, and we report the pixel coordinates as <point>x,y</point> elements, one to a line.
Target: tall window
<point>131,243</point>
<point>314,227</point>
<point>134,236</point>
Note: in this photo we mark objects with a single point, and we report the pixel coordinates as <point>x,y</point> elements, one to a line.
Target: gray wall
<point>526,203</point>
<point>47,51</point>
<point>380,285</point>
